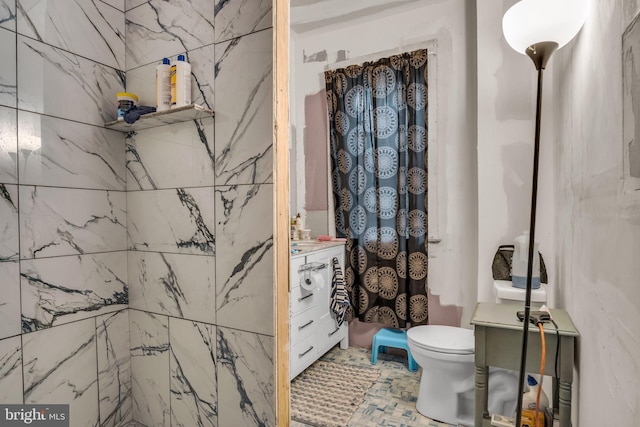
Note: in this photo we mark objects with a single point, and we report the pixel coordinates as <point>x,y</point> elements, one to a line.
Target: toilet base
<point>445,390</point>
<point>454,404</point>
<point>447,385</point>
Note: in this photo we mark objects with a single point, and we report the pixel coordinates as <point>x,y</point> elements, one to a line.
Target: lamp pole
<point>539,54</point>
<point>537,28</point>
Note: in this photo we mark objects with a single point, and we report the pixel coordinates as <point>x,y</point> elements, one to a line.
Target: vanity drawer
<point>301,299</point>
<point>303,354</point>
<point>329,331</point>
<point>303,324</point>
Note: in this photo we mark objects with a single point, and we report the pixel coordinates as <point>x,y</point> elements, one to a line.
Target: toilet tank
<point>505,293</point>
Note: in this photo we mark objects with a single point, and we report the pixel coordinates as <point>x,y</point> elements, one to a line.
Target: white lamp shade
<point>534,21</point>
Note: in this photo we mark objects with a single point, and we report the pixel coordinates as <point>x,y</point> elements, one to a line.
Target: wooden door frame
<point>280,15</point>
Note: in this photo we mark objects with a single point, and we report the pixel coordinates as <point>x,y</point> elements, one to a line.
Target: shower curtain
<point>378,136</point>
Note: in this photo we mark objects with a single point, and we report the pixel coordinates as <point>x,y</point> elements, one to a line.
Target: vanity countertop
<point>300,247</point>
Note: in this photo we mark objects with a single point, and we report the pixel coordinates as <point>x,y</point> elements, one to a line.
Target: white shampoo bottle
<point>163,85</point>
<point>182,78</point>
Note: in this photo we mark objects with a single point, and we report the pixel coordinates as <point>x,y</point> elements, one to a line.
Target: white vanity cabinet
<point>312,328</point>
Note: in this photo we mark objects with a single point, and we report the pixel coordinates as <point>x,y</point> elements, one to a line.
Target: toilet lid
<point>443,339</point>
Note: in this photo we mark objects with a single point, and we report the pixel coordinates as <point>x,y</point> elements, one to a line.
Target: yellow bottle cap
<point>126,96</point>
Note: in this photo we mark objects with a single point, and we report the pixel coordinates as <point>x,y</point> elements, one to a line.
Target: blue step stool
<point>395,338</point>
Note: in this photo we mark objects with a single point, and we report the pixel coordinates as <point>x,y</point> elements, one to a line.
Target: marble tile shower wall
<point>173,222</point>
<point>199,215</point>
<point>63,239</point>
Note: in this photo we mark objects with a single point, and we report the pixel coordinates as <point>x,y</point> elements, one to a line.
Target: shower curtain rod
<point>430,45</point>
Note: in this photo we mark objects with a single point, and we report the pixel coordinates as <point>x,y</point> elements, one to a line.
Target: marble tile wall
<point>114,368</point>
<point>199,219</point>
<point>243,87</point>
<point>8,14</point>
<point>41,19</point>
<point>64,372</point>
<point>136,271</point>
<point>8,80</point>
<point>64,328</point>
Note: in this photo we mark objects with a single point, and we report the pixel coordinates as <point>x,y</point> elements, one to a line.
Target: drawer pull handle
<point>305,297</point>
<point>302,354</point>
<point>305,325</point>
<point>333,333</point>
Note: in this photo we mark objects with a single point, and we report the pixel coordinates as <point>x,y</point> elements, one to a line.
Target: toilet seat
<point>443,339</point>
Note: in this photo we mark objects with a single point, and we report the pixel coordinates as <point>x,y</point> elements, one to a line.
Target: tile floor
<point>391,401</point>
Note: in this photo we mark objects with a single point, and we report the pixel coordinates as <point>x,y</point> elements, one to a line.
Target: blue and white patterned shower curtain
<point>378,131</point>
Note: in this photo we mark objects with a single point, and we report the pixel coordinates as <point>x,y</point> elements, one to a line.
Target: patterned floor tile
<point>391,401</point>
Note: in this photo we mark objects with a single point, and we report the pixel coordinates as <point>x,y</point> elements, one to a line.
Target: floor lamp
<point>537,28</point>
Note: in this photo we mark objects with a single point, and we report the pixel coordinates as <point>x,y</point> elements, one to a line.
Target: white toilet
<point>446,356</point>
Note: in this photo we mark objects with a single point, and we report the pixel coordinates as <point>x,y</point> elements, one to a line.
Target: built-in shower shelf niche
<point>162,118</point>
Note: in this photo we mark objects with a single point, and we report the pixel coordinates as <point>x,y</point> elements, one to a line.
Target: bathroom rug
<point>327,394</point>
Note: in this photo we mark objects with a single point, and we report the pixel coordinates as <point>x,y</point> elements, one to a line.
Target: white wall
<point>598,224</point>
<point>452,268</point>
<point>506,113</point>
